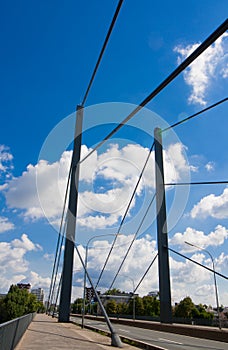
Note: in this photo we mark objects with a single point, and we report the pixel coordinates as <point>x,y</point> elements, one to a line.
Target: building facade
<point>39,293</point>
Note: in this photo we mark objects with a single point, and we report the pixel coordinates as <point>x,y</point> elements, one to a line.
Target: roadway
<point>163,340</point>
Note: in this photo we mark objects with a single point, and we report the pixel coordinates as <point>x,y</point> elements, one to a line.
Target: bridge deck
<point>46,333</point>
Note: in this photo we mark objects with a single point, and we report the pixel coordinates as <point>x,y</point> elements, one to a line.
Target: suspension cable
<point>57,294</point>
<point>198,51</point>
<point>195,114</point>
<point>57,265</point>
<point>133,239</point>
<point>147,270</point>
<point>197,263</point>
<point>197,183</point>
<point>102,50</point>
<point>58,245</point>
<point>125,214</point>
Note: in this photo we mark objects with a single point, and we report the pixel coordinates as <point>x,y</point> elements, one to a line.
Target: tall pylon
<point>162,234</point>
<point>65,295</point>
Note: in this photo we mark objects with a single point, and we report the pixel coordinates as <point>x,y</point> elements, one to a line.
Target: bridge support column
<point>162,239</point>
<point>65,295</point>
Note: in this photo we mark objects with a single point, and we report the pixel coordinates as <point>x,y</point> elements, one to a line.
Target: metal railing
<point>12,331</point>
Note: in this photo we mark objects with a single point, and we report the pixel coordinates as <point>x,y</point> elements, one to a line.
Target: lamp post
<point>86,260</point>
<point>215,282</point>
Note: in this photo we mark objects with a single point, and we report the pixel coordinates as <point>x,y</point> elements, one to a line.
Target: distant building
<point>119,298</point>
<point>24,286</point>
<point>39,293</point>
<point>154,294</point>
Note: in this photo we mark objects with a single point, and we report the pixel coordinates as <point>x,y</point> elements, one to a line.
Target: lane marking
<point>170,341</point>
<point>123,330</point>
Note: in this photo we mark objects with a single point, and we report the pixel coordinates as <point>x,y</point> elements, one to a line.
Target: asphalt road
<point>167,341</point>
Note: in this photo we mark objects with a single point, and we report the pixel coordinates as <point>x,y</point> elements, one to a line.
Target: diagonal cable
<point>147,270</point>
<point>197,183</point>
<point>57,265</point>
<point>134,238</point>
<point>196,114</point>
<point>58,245</point>
<point>102,50</point>
<point>199,50</point>
<point>125,214</point>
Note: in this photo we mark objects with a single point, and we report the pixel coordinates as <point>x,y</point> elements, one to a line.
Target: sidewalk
<point>46,333</point>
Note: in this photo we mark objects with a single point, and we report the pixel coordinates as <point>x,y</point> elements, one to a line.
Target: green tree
<point>151,306</point>
<point>114,291</point>
<point>77,306</point>
<point>202,313</point>
<point>139,307</point>
<point>16,303</point>
<point>185,308</point>
<point>40,307</point>
<point>111,307</point>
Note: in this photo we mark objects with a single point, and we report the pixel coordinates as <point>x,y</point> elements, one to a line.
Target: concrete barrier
<point>203,332</point>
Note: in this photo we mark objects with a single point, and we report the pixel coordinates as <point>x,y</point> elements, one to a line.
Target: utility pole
<point>162,237</point>
<point>65,296</point>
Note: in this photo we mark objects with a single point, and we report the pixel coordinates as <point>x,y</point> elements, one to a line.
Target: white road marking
<point>170,341</point>
<point>123,330</point>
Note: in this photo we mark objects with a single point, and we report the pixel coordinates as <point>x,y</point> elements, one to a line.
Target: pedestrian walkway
<point>46,333</point>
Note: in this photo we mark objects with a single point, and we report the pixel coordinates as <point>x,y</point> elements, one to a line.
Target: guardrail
<point>203,332</point>
<point>12,331</point>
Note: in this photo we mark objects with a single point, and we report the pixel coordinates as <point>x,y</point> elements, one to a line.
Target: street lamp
<point>215,282</point>
<point>86,260</point>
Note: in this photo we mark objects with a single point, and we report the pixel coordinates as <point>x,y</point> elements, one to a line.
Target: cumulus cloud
<point>187,278</point>
<point>203,71</point>
<point>13,263</point>
<point>5,224</point>
<point>139,258</point>
<point>106,183</point>
<point>188,272</point>
<point>191,235</point>
<point>211,206</point>
<point>36,280</point>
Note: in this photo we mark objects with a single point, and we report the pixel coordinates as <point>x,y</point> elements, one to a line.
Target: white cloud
<point>24,243</point>
<point>205,290</point>
<point>107,182</point>
<point>6,158</point>
<point>210,166</point>
<point>222,261</point>
<point>49,257</point>
<point>38,281</point>
<point>191,235</point>
<point>139,258</point>
<point>13,263</point>
<point>212,205</point>
<point>5,224</point>
<point>187,278</point>
<point>188,272</point>
<point>21,192</point>
<point>202,72</point>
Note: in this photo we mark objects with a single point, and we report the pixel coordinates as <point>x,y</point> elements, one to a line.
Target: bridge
<point>65,332</point>
<point>60,293</point>
<point>46,332</point>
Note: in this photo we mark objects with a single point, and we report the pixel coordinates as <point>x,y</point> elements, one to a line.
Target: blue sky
<point>48,52</point>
